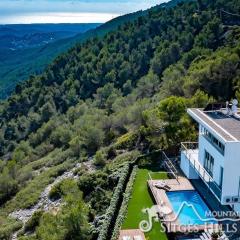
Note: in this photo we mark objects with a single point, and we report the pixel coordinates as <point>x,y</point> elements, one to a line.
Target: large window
<point>221,177</point>
<point>209,163</point>
<point>215,142</point>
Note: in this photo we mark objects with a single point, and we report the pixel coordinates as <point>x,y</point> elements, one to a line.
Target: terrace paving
<point>133,234</point>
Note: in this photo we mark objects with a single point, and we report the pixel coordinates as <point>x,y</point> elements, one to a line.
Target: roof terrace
<point>224,125</point>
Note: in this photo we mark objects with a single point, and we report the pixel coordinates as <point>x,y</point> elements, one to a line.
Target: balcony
<point>190,150</point>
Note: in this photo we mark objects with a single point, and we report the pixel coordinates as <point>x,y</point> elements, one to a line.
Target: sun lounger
<point>162,186</point>
<point>167,187</point>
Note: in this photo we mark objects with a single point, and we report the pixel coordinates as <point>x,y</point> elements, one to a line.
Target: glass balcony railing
<point>190,150</point>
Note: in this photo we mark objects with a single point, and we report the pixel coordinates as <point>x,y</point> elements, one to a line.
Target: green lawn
<point>141,199</point>
<point>158,175</point>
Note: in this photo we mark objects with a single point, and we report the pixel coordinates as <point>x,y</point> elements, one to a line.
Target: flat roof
<point>227,127</point>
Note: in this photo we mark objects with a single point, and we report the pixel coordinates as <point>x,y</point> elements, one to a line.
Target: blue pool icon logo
<point>191,214</point>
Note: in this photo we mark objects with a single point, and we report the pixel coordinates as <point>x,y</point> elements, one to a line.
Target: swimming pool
<point>186,213</point>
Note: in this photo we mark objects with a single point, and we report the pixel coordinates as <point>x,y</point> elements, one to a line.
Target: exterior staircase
<point>171,166</point>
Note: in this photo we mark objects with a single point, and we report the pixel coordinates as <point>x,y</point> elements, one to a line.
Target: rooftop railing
<point>190,149</point>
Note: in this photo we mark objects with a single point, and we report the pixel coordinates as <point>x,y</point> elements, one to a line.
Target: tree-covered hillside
<point>16,66</point>
<point>105,102</point>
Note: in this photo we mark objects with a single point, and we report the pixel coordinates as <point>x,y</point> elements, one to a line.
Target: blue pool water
<point>187,215</point>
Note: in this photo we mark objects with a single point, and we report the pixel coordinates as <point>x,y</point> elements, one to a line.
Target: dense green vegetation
<point>105,102</point>
<point>17,66</point>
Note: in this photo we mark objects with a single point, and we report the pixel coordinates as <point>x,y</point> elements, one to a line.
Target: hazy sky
<point>64,11</point>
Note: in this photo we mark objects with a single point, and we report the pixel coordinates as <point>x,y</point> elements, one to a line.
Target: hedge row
<point>124,206</point>
<point>113,208</point>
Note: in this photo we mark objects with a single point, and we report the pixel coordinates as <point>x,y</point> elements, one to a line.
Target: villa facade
<point>215,158</point>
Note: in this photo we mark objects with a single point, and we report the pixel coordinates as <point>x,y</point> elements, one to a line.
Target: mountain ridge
<point>21,64</point>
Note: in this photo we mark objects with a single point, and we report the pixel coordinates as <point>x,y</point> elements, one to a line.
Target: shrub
<point>124,158</point>
<point>29,195</point>
<point>8,186</point>
<point>33,222</point>
<point>111,153</point>
<point>80,170</point>
<point>123,210</point>
<point>7,227</point>
<point>71,222</point>
<point>89,182</point>
<point>55,192</point>
<point>99,159</point>
<point>128,141</point>
<point>27,237</point>
<point>112,209</point>
<point>62,188</point>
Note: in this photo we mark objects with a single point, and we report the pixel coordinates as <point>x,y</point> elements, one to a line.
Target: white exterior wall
<point>230,162</point>
<point>187,168</point>
<point>231,174</point>
<point>205,145</point>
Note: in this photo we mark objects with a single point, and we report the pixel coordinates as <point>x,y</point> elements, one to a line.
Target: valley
<point>27,49</point>
<point>15,37</point>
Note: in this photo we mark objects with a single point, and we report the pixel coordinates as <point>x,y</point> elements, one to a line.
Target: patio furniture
<point>167,187</point>
<point>162,186</point>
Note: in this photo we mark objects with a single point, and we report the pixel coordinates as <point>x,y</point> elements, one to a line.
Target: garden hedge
<point>124,207</point>
<point>115,202</point>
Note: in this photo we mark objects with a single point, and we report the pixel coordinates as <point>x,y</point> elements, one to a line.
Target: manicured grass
<point>141,199</point>
<point>158,175</point>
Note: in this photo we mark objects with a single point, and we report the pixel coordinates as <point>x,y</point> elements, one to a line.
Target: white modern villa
<point>215,158</point>
<point>209,181</point>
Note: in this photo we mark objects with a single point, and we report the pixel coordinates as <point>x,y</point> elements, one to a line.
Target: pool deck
<point>131,234</point>
<point>170,220</point>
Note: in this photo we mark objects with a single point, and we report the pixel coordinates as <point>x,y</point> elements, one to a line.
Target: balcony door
<point>209,163</point>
